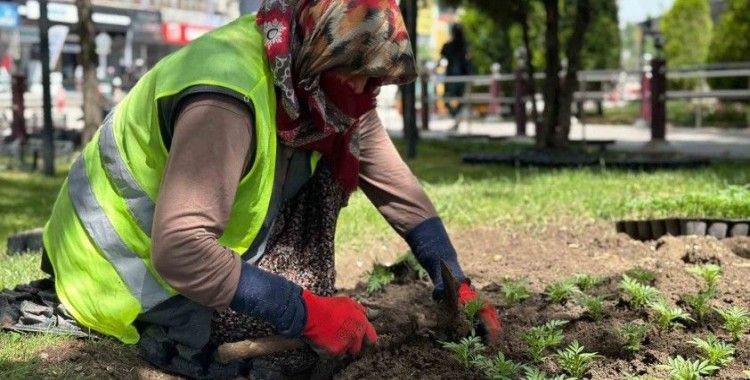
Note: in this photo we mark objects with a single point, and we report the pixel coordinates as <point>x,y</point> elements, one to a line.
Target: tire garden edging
<point>655,228</point>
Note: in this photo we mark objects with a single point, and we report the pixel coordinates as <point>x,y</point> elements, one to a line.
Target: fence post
<point>425,96</point>
<point>519,107</point>
<point>658,99</point>
<point>495,92</point>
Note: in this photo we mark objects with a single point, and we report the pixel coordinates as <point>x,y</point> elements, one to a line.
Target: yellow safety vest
<point>98,237</point>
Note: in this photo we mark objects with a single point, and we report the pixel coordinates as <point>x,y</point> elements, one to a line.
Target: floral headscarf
<point>309,41</point>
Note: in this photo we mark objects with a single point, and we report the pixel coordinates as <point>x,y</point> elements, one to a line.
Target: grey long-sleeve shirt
<point>211,150</point>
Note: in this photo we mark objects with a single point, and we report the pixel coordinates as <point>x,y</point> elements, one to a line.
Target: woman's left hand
<point>489,321</point>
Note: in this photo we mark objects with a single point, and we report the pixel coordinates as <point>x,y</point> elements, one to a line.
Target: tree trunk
<point>545,134</point>
<point>524,16</point>
<point>92,107</point>
<point>570,83</point>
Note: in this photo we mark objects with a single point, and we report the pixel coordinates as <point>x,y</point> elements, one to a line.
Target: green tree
<point>731,43</point>
<point>489,42</point>
<point>601,49</point>
<point>687,29</point>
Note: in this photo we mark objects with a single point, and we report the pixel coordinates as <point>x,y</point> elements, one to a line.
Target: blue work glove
<point>430,244</point>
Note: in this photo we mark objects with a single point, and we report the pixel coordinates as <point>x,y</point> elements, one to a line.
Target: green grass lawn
<point>465,195</point>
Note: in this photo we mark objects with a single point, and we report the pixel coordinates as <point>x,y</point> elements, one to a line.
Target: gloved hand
<point>489,322</point>
<point>337,325</point>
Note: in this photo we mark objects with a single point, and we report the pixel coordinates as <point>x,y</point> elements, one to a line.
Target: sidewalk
<point>696,142</point>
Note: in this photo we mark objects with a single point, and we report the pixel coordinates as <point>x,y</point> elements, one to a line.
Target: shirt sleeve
<point>387,181</point>
<point>210,151</point>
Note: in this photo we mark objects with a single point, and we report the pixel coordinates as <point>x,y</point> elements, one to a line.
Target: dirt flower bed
<point>575,302</point>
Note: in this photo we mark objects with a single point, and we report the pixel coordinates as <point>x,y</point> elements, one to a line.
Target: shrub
<point>667,316</point>
<point>466,350</point>
<point>514,291</point>
<point>633,334</point>
<point>710,273</point>
<point>380,276</point>
<point>499,368</point>
<point>736,320</point>
<point>560,291</point>
<point>638,294</point>
<point>716,352</point>
<point>574,361</point>
<point>540,338</point>
<point>683,369</point>
<point>594,306</point>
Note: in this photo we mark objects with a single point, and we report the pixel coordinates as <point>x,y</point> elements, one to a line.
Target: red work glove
<point>488,319</point>
<point>337,325</point>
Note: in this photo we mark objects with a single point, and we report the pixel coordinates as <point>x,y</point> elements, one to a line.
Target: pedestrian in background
<point>456,53</point>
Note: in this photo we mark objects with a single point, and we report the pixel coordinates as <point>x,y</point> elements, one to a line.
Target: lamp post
<point>48,146</point>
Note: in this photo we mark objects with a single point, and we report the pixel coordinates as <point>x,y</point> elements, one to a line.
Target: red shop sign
<point>181,33</point>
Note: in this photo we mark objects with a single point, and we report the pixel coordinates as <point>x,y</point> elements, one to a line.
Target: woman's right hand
<point>337,325</point>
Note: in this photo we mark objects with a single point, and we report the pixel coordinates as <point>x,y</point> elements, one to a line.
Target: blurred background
<point>627,69</point>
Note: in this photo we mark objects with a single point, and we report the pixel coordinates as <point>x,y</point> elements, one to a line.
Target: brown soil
<point>409,343</point>
<point>555,253</point>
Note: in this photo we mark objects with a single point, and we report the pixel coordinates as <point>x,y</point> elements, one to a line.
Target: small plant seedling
<point>574,361</point>
<point>414,264</point>
<point>716,352</point>
<point>466,350</point>
<point>586,281</point>
<point>668,316</point>
<point>633,334</point>
<point>533,373</point>
<point>499,368</point>
<point>380,276</point>
<point>683,369</point>
<point>630,376</point>
<point>540,338</point>
<point>710,273</point>
<point>472,308</point>
<point>698,303</point>
<point>644,276</point>
<point>638,294</point>
<point>560,291</point>
<point>736,320</point>
<point>594,306</point>
<point>514,291</point>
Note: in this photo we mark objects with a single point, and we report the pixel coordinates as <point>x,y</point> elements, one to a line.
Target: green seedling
<point>594,306</point>
<point>633,334</point>
<point>472,308</point>
<point>644,276</point>
<point>667,316</point>
<point>499,368</point>
<point>638,294</point>
<point>532,373</point>
<point>560,291</point>
<point>514,291</point>
<point>683,369</point>
<point>466,350</point>
<point>586,281</point>
<point>413,263</point>
<point>716,352</point>
<point>736,320</point>
<point>380,276</point>
<point>698,303</point>
<point>574,361</point>
<point>540,338</point>
<point>710,273</point>
<point>630,376</point>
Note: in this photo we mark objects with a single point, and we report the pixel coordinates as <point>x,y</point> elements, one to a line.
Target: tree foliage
<point>687,29</point>
<point>730,42</point>
<point>489,41</point>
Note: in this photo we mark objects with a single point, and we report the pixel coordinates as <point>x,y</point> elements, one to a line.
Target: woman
<point>456,53</point>
<point>216,183</point>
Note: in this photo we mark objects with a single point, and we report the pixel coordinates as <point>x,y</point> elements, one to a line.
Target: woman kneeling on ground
<point>213,189</point>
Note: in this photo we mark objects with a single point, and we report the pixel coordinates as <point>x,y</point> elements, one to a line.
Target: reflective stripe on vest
<point>139,203</point>
<point>131,268</point>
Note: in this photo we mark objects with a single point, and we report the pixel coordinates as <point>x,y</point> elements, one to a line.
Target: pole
<point>424,78</point>
<point>408,91</point>
<point>48,146</point>
<point>658,99</point>
<point>519,107</point>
